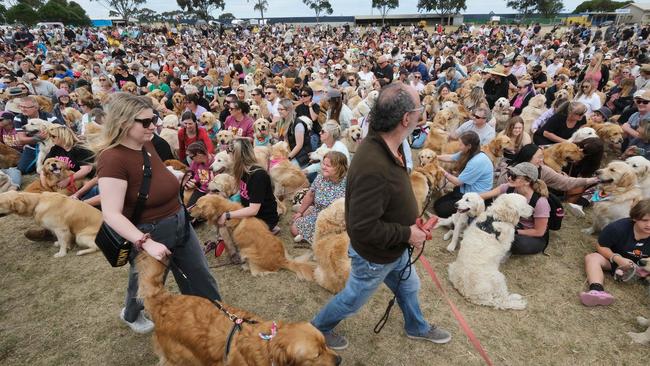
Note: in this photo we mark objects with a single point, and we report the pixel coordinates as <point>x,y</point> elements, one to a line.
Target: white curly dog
<point>469,207</point>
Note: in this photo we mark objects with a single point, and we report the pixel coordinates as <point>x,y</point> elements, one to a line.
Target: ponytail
<point>540,187</point>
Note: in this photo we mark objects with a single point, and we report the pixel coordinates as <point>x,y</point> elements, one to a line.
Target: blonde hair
<point>540,187</point>
<point>283,124</point>
<point>592,88</point>
<point>120,117</point>
<point>339,162</point>
<point>332,127</point>
<point>598,56</point>
<point>244,157</point>
<point>64,134</point>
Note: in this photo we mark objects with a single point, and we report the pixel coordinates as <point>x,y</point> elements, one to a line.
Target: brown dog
<point>557,156</point>
<point>331,248</point>
<point>55,171</point>
<point>286,177</point>
<point>494,149</point>
<point>426,181</point>
<point>9,157</point>
<point>191,330</point>
<point>263,251</point>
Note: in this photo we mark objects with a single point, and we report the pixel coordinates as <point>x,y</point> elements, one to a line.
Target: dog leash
<point>426,227</point>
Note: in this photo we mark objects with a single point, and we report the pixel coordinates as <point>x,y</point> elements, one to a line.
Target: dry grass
<point>65,311</point>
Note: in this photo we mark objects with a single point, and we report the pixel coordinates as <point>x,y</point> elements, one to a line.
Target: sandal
<point>594,298</point>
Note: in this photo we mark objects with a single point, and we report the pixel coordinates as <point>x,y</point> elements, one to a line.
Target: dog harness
<point>488,227</point>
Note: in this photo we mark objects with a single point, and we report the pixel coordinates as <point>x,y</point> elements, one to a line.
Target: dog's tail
<point>304,270</point>
<point>151,273</point>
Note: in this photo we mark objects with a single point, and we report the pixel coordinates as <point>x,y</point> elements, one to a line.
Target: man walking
<point>380,215</point>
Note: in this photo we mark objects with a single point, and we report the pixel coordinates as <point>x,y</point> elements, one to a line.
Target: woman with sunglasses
<point>587,95</point>
<point>296,130</point>
<point>256,189</point>
<point>239,122</point>
<point>568,118</point>
<point>531,234</point>
<point>191,132</point>
<point>163,229</point>
<point>641,100</point>
<point>525,91</point>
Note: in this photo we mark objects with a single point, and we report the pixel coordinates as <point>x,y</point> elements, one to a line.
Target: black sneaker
<point>335,341</point>
<point>435,335</point>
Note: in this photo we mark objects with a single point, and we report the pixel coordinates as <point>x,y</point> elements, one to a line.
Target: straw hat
<point>497,70</point>
<point>316,85</point>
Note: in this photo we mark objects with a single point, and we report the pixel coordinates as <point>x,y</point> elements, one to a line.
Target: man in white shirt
<point>554,67</point>
<point>478,124</point>
<point>273,101</point>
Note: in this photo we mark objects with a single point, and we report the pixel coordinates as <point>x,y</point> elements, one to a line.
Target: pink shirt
<point>243,128</point>
<point>542,209</point>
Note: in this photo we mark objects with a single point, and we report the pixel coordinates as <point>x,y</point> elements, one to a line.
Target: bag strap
<point>143,194</point>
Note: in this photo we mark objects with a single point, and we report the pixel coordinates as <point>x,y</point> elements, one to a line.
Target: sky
<point>279,8</point>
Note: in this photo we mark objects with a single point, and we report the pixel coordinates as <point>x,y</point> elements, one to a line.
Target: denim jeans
<point>15,175</point>
<point>26,163</point>
<point>314,140</point>
<point>364,279</point>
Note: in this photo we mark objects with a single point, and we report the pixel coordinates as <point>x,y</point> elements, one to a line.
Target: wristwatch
<point>227,215</point>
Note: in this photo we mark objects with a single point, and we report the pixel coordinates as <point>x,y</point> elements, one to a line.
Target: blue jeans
<point>15,175</point>
<point>364,279</point>
<point>314,140</point>
<point>27,164</point>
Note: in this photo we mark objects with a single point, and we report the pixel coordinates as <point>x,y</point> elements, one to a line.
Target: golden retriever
<point>55,171</point>
<point>223,184</point>
<point>223,163</point>
<point>352,138</point>
<point>169,132</point>
<point>494,149</point>
<point>425,156</point>
<point>178,101</point>
<point>501,113</point>
<point>262,251</point>
<point>426,181</point>
<point>436,139</point>
<point>557,156</point>
<point>617,193</point>
<point>331,248</point>
<point>224,137</point>
<point>475,272</point>
<point>70,220</point>
<point>287,177</point>
<point>262,132</point>
<point>641,166</point>
<point>191,330</point>
<point>71,117</point>
<point>9,157</point>
<point>34,127</point>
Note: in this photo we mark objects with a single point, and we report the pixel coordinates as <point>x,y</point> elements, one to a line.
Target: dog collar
<point>274,331</point>
<point>599,196</point>
<point>488,226</point>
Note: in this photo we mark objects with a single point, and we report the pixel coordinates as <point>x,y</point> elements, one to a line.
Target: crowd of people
<point>109,92</point>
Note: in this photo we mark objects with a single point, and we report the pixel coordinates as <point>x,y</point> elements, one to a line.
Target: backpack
<point>557,210</point>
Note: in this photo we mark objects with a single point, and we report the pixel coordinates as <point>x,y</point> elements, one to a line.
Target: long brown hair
<point>471,139</point>
<point>243,156</point>
<point>515,141</point>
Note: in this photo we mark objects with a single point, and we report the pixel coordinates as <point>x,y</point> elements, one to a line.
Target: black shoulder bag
<point>115,248</point>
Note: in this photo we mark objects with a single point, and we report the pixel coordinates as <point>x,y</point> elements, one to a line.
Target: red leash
<point>426,227</point>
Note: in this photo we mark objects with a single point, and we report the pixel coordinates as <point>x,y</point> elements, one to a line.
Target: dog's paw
<point>516,302</point>
<point>588,231</point>
<point>451,247</point>
<point>642,321</point>
<point>642,338</point>
<point>56,244</point>
<point>59,254</point>
<point>447,235</point>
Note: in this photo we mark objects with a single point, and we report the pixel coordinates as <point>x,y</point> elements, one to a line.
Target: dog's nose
<point>338,360</point>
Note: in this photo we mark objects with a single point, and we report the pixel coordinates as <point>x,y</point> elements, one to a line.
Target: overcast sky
<point>278,8</point>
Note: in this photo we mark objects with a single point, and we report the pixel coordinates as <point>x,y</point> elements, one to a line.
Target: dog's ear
<point>628,179</point>
<point>279,352</point>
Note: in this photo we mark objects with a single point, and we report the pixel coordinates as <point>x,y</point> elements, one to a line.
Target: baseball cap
<point>606,112</point>
<point>642,94</point>
<point>525,169</point>
<point>7,115</point>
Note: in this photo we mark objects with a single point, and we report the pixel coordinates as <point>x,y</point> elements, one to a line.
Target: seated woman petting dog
<point>476,173</point>
<point>620,246</point>
<point>163,229</point>
<point>328,186</point>
<point>559,128</point>
<point>255,187</point>
<point>69,150</point>
<point>330,135</point>
<point>200,173</point>
<point>531,235</point>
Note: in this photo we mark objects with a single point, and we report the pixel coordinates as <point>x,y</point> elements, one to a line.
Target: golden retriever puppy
<point>224,137</point>
<point>557,156</point>
<point>192,330</point>
<point>9,156</point>
<point>475,272</point>
<point>641,167</point>
<point>55,171</point>
<point>178,101</point>
<point>287,178</point>
<point>536,106</point>
<point>469,207</point>
<point>426,181</point>
<point>331,248</point>
<point>71,117</point>
<point>223,163</point>
<point>262,251</point>
<point>70,220</point>
<point>34,127</point>
<point>616,195</point>
<point>494,149</point>
<point>262,132</point>
<point>352,138</point>
<point>425,156</point>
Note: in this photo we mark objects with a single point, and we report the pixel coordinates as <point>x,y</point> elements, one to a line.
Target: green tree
<point>34,4</point>
<point>523,7</point>
<point>147,15</point>
<point>550,8</point>
<point>600,5</point>
<point>122,8</point>
<point>384,6</point>
<point>21,13</point>
<point>319,7</point>
<point>3,13</point>
<point>61,11</point>
<point>226,17</point>
<point>442,7</point>
<point>202,8</point>
<point>261,6</point>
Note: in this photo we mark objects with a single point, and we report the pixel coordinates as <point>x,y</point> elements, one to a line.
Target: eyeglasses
<point>640,101</point>
<point>268,93</point>
<point>304,95</point>
<point>512,175</point>
<point>418,77</point>
<point>322,132</point>
<point>418,109</point>
<point>282,109</point>
<point>479,117</point>
<point>146,122</point>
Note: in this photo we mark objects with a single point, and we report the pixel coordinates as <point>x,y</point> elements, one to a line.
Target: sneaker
<point>40,235</point>
<point>435,335</point>
<point>142,325</point>
<point>593,298</point>
<point>297,238</point>
<point>276,230</point>
<point>336,341</point>
<point>576,210</point>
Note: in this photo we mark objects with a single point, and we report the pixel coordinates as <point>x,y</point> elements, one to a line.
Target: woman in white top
<point>365,73</point>
<point>329,135</point>
<point>519,68</point>
<point>338,110</point>
<point>587,96</point>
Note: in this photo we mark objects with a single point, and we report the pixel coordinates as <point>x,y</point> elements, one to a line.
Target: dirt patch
<point>65,311</point>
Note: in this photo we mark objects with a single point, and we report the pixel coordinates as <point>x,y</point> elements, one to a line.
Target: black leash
<point>382,322</point>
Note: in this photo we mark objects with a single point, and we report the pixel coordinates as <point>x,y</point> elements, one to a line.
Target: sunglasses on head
<point>146,122</point>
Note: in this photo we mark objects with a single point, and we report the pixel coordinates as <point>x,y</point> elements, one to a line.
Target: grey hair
<point>332,127</point>
<point>392,103</point>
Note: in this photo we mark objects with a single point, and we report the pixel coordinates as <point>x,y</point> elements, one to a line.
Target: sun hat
<point>605,112</point>
<point>316,85</point>
<point>525,169</point>
<point>497,70</point>
<point>642,94</point>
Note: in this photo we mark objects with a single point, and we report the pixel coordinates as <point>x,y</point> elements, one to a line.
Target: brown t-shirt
<point>126,164</point>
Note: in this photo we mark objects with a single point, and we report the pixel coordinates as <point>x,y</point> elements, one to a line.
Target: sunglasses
<point>102,79</point>
<point>282,109</point>
<point>268,93</point>
<point>304,95</point>
<point>512,175</point>
<point>479,117</point>
<point>418,77</point>
<point>639,101</point>
<point>146,122</point>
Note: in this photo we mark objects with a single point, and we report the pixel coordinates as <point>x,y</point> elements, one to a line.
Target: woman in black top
<point>255,186</point>
<point>561,125</point>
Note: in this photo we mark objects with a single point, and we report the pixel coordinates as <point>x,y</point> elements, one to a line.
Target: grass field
<point>65,311</point>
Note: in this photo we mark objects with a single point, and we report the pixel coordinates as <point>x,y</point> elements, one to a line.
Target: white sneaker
<point>297,238</point>
<point>141,325</point>
<point>576,210</point>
